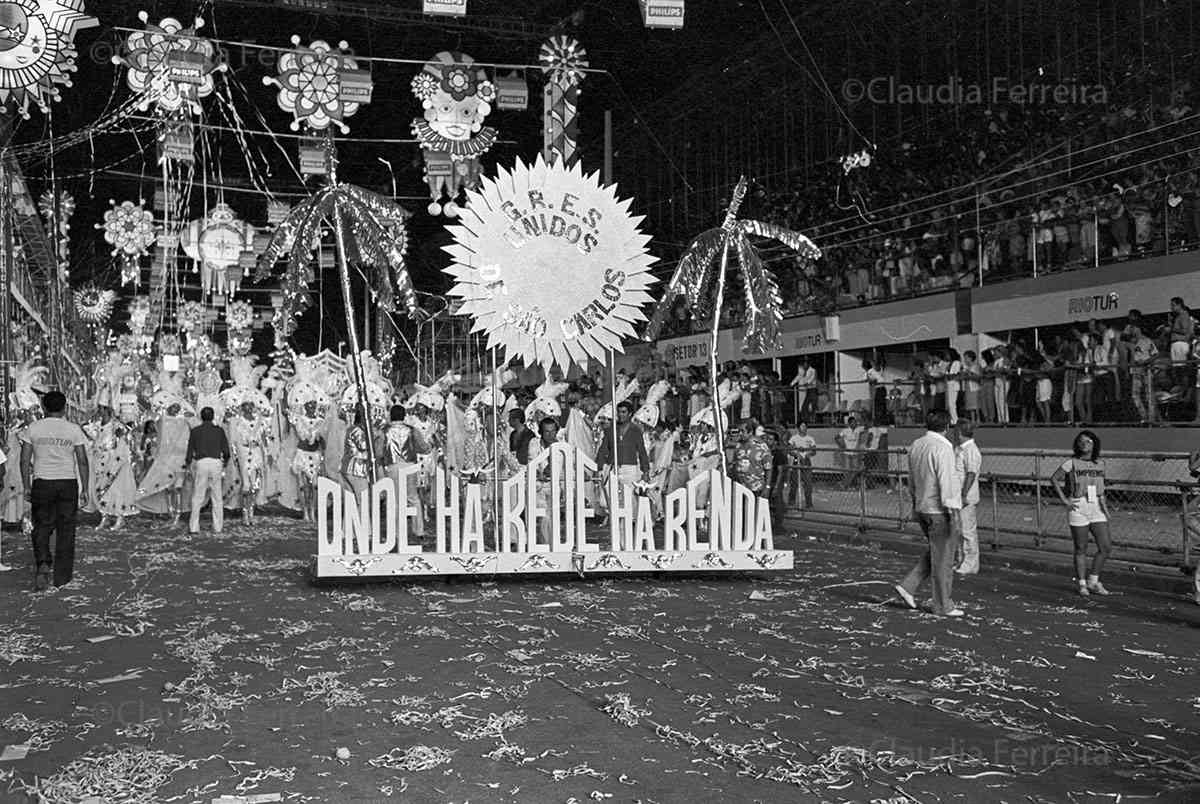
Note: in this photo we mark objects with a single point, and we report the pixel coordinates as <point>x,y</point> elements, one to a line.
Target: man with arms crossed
<point>54,468</point>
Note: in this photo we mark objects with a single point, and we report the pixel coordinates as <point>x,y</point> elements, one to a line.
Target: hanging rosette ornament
<point>320,86</point>
<point>37,50</point>
<point>169,66</point>
<point>240,317</point>
<point>456,96</point>
<point>129,229</point>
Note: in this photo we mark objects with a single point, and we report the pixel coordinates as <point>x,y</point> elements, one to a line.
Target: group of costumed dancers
<point>287,428</point>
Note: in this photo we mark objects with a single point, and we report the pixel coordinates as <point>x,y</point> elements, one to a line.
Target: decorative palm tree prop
<point>699,270</point>
<point>369,232</point>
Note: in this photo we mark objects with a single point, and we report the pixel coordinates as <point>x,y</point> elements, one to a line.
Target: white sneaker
<point>908,599</point>
<point>1083,589</point>
<point>955,613</point>
<point>1097,588</point>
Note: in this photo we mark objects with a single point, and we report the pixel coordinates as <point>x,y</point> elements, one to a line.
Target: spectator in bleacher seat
<point>1142,355</point>
<point>876,389</point>
<point>987,386</point>
<point>971,373</point>
<point>937,378</point>
<point>1182,329</point>
<point>805,384</point>
<point>953,384</point>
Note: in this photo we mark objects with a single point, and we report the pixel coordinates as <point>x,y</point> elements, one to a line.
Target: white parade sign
<point>551,265</point>
<point>710,524</point>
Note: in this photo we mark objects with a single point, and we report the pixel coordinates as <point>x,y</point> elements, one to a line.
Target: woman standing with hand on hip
<point>1087,508</point>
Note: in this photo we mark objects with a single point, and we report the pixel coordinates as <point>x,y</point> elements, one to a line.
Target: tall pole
<point>360,381</point>
<point>612,361</point>
<point>608,162</point>
<point>497,530</point>
<point>6,268</point>
<point>712,354</point>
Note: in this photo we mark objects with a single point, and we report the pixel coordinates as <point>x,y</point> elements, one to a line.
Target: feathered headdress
<point>648,413</point>
<point>545,401</point>
<point>624,391</point>
<point>491,393</point>
<point>29,383</point>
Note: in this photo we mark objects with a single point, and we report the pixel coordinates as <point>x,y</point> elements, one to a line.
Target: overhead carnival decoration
<point>240,318</point>
<point>94,306</point>
<point>544,221</point>
<point>320,86</point>
<point>37,50</point>
<point>456,96</point>
<point>564,61</point>
<point>216,244</point>
<point>57,210</point>
<point>129,229</point>
<point>703,268</point>
<point>169,66</point>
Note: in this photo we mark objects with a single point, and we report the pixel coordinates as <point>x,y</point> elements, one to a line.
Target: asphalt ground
<point>228,673</point>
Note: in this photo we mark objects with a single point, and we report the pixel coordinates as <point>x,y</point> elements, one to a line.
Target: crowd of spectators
<point>996,193</point>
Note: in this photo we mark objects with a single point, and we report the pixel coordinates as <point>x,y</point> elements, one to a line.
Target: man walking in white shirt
<point>936,500</point>
<point>967,462</point>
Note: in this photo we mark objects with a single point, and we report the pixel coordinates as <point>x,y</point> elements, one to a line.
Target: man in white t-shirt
<point>802,448</point>
<point>967,463</point>
<point>54,468</point>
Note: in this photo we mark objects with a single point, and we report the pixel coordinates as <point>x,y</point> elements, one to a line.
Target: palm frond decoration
<point>368,232</point>
<point>703,267</point>
<point>700,278</point>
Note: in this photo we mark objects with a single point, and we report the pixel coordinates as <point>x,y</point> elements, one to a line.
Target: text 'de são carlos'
<point>542,509</point>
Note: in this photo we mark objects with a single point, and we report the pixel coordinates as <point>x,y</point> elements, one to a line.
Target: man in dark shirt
<point>519,438</point>
<point>207,453</point>
<point>633,463</point>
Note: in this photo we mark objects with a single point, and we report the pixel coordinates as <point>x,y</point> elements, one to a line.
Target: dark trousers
<point>938,562</point>
<point>802,479</point>
<point>55,503</point>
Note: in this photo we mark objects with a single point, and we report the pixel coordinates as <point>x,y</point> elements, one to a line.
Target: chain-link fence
<point>1153,505</point>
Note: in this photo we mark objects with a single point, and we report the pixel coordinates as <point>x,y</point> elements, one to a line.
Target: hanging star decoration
<point>551,265</point>
<point>93,305</point>
<point>168,66</point>
<point>310,85</point>
<point>129,229</point>
<point>37,50</point>
<point>240,316</point>
<point>698,274</point>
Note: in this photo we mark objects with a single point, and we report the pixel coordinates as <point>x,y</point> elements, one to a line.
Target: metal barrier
<point>1153,513</point>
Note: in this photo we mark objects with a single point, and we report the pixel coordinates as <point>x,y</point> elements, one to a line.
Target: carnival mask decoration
<point>456,96</point>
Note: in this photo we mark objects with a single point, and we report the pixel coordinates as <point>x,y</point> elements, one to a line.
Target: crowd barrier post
<point>862,495</point>
<point>1037,490</point>
<point>1183,521</point>
<point>995,514</point>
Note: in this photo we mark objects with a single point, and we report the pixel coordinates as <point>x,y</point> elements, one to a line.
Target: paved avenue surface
<point>228,674</point>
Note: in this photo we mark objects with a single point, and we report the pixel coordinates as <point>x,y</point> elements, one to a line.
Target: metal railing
<point>1154,511</point>
<point>1155,393</point>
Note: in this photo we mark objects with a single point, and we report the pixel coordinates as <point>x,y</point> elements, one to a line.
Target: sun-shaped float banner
<point>551,265</point>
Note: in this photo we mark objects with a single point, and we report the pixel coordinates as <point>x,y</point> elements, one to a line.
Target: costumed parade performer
<point>602,424</point>
<point>660,458</point>
<point>115,486</point>
<point>428,434</point>
<point>161,489</point>
<point>399,454</point>
<point>27,408</point>
<point>355,466</point>
<point>248,411</point>
<point>308,407</point>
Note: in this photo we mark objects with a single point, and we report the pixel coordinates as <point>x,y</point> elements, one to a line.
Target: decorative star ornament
<point>310,85</point>
<point>37,50</point>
